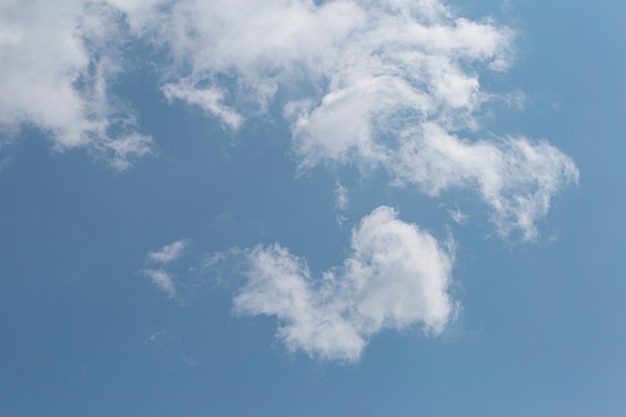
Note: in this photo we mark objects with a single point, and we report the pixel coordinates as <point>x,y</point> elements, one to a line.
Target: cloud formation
<point>515,177</point>
<point>458,216</point>
<point>163,280</point>
<point>342,199</point>
<point>397,276</point>
<point>387,84</point>
<point>390,85</point>
<point>169,253</point>
<point>58,60</point>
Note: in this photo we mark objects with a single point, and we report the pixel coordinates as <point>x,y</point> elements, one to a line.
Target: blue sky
<point>298,208</point>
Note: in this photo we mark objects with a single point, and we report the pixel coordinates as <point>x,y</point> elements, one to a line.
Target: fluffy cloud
<point>515,177</point>
<point>57,62</point>
<point>397,276</point>
<point>367,83</point>
<point>169,253</point>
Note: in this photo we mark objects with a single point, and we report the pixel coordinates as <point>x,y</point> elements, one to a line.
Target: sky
<point>312,208</point>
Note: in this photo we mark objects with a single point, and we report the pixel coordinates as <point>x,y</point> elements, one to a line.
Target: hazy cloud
<point>163,280</point>
<point>171,344</point>
<point>458,216</point>
<point>169,253</point>
<point>342,199</point>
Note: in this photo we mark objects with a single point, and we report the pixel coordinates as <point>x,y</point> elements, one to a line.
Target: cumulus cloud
<point>397,276</point>
<point>58,60</point>
<point>365,83</point>
<point>169,253</point>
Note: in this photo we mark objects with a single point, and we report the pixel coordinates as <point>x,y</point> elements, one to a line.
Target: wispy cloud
<point>171,344</point>
<point>342,199</point>
<point>209,99</point>
<point>458,216</point>
<point>163,280</point>
<point>397,276</point>
<point>170,252</point>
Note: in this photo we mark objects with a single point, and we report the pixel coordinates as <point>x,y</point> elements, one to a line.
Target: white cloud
<point>365,83</point>
<point>58,59</point>
<point>458,216</point>
<point>340,219</point>
<point>515,177</point>
<point>342,199</point>
<point>396,276</point>
<point>374,57</point>
<point>169,253</point>
<point>162,280</point>
<point>209,99</point>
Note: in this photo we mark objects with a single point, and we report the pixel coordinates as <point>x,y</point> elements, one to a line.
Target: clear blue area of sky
<point>542,330</point>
